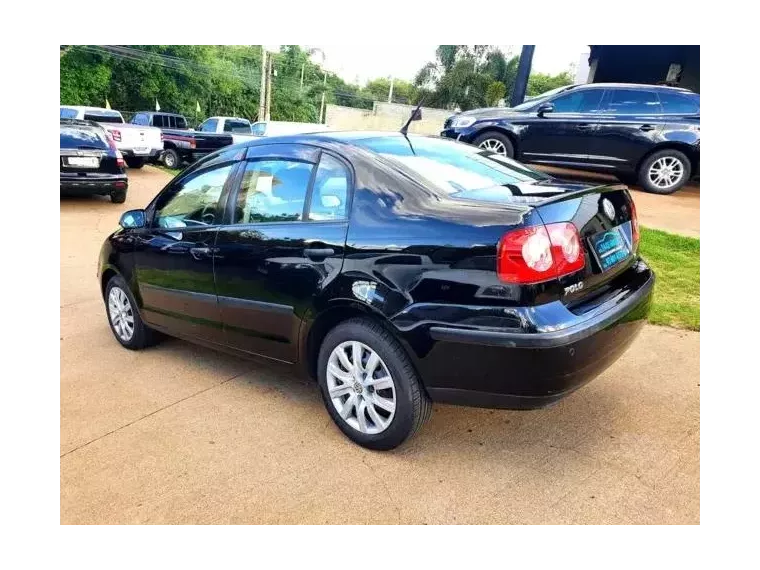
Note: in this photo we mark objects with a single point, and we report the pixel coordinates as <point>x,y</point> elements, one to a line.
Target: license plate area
<point>141,150</point>
<point>81,161</point>
<point>610,248</point>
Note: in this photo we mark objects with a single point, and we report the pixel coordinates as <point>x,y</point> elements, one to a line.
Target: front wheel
<point>495,142</point>
<point>124,318</point>
<point>665,171</point>
<point>369,385</point>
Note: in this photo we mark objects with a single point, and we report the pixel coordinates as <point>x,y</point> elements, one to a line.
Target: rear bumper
<point>524,370</point>
<point>151,155</point>
<point>93,183</point>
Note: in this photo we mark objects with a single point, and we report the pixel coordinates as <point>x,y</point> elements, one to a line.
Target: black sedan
<point>90,162</point>
<point>394,270</point>
<point>642,133</point>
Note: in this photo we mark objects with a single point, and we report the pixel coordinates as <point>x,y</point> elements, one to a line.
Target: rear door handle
<point>646,128</point>
<point>318,253</point>
<point>585,127</point>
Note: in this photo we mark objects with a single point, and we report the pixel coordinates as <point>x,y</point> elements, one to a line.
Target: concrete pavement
<point>181,434</point>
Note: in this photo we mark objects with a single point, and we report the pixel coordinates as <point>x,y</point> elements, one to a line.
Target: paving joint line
<point>152,413</point>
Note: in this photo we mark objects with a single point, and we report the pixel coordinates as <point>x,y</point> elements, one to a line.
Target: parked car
<point>644,133</point>
<point>181,144</point>
<point>395,270</point>
<point>239,129</point>
<point>90,162</point>
<point>280,128</point>
<point>137,144</point>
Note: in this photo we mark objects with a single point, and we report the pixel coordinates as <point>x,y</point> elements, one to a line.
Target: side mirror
<point>330,201</point>
<point>132,219</point>
<point>545,108</point>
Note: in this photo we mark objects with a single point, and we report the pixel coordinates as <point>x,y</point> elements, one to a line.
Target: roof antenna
<point>415,116</point>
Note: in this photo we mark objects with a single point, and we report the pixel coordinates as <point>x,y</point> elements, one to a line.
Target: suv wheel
<point>119,196</point>
<point>369,385</point>
<point>135,162</point>
<point>124,318</point>
<point>495,142</point>
<point>665,171</point>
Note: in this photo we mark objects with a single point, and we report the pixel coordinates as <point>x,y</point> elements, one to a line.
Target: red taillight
<point>115,134</point>
<point>192,144</point>
<point>539,253</point>
<point>635,227</point>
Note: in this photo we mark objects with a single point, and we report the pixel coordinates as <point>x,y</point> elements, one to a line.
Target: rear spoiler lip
<point>579,193</point>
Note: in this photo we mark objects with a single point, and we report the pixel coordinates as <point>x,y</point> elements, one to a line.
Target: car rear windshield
<point>82,138</point>
<point>458,170</point>
<point>103,116</point>
<point>231,126</point>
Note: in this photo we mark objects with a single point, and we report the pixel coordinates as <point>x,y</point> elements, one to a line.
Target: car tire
<point>135,162</point>
<point>362,412</point>
<point>495,142</point>
<point>121,312</point>
<point>119,196</point>
<point>665,171</point>
<point>170,158</point>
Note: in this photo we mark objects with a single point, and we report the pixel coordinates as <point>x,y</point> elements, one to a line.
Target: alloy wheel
<point>666,172</point>
<point>494,145</point>
<point>121,314</point>
<point>360,387</point>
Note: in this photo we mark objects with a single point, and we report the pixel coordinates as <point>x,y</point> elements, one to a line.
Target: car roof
<point>79,123</point>
<point>158,113</point>
<point>87,108</point>
<point>326,137</point>
<point>631,86</point>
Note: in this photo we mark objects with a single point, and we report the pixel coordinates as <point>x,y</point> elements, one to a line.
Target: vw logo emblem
<point>608,208</point>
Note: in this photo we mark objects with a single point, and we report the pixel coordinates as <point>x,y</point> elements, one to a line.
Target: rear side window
<point>679,103</point>
<point>582,101</point>
<point>273,191</point>
<point>67,113</point>
<point>231,126</point>
<point>82,138</point>
<point>330,194</point>
<point>632,102</point>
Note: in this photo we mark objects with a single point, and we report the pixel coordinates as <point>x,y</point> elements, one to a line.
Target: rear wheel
<point>170,158</point>
<point>119,196</point>
<point>495,142</point>
<point>124,318</point>
<point>665,171</point>
<point>369,385</point>
<point>135,162</point>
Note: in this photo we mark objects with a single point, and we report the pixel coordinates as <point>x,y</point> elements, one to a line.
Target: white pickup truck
<point>240,129</point>
<point>136,142</point>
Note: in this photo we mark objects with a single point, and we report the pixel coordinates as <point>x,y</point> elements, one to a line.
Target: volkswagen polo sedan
<point>394,270</point>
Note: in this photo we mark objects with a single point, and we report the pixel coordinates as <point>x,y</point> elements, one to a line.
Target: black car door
<point>565,135</point>
<point>174,256</point>
<point>630,121</point>
<point>283,246</point>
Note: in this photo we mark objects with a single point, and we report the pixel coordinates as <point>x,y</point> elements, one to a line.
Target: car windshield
<point>535,100</point>
<point>458,170</point>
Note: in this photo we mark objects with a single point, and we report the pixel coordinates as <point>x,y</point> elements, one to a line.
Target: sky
<point>358,64</point>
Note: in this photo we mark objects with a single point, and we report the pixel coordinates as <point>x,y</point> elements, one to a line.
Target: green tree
<point>495,91</point>
<point>541,82</point>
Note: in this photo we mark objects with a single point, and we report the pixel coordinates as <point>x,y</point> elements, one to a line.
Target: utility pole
<point>390,92</point>
<point>303,66</point>
<point>523,72</point>
<point>263,93</point>
<point>269,90</point>
<point>322,106</point>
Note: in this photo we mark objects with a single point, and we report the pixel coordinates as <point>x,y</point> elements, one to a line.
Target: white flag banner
<point>158,107</point>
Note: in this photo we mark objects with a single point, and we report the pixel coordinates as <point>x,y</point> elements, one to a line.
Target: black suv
<point>644,133</point>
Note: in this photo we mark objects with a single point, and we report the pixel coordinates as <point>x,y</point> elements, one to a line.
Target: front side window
<point>259,129</point>
<point>158,121</point>
<point>234,126</point>
<point>208,126</point>
<point>273,191</point>
<point>180,122</point>
<point>632,102</point>
<point>193,201</point>
<point>67,113</point>
<point>582,101</point>
<point>330,195</point>
<point>140,119</point>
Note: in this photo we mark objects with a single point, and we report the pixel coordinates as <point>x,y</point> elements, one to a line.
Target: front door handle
<point>199,253</point>
<point>646,128</point>
<point>585,127</point>
<point>316,253</point>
